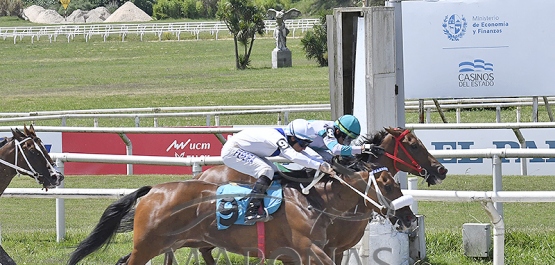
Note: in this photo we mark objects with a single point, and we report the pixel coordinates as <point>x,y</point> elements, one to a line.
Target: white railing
<point>87,31</point>
<point>488,198</point>
<point>282,110</point>
<point>155,113</point>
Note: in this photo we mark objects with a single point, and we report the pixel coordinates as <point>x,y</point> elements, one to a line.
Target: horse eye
<point>414,146</point>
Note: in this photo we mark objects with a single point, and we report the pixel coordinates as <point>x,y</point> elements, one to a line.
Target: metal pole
<point>128,151</point>
<point>534,109</point>
<point>548,108</point>
<point>421,111</point>
<point>60,208</point>
<point>413,185</point>
<point>498,233</point>
<point>208,120</point>
<point>497,181</point>
<point>440,111</point>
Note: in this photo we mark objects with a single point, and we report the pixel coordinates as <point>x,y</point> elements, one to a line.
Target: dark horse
<point>24,153</point>
<point>173,215</point>
<point>403,152</point>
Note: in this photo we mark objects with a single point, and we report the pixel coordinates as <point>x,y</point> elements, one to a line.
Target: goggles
<point>303,143</point>
<point>346,138</point>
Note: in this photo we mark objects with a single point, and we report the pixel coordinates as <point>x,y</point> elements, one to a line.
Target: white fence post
<point>60,208</point>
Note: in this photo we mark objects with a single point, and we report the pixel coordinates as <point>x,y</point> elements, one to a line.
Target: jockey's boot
<point>257,200</point>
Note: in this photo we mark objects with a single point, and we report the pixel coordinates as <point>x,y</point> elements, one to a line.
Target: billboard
<point>491,138</point>
<point>479,48</point>
<point>170,145</point>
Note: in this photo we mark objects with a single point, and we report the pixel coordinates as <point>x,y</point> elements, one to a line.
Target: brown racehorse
<point>403,152</point>
<point>182,214</point>
<point>24,153</point>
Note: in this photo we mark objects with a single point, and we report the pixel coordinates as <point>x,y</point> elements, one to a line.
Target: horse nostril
<point>442,170</point>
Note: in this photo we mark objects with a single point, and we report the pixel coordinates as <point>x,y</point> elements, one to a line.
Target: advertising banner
<point>52,140</point>
<point>170,145</point>
<point>478,48</point>
<point>490,138</point>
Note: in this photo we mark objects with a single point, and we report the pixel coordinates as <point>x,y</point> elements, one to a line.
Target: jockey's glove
<point>326,168</point>
<point>373,149</point>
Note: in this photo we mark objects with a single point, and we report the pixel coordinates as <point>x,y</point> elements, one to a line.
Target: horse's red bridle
<point>396,159</point>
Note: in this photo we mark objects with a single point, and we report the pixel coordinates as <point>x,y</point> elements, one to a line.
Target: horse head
<point>404,152</point>
<point>382,193</point>
<point>31,158</point>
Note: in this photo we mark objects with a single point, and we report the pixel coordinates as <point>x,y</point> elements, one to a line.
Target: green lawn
<point>530,231</point>
<point>134,74</point>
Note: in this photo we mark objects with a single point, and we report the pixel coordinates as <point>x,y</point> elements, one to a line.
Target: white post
<point>413,185</point>
<point>497,181</point>
<point>60,208</point>
<point>498,233</point>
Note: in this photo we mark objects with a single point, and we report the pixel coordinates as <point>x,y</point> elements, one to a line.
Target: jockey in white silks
<point>247,150</point>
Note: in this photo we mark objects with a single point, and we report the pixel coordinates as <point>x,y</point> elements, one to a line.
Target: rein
<point>414,165</point>
<point>18,149</point>
<point>396,204</point>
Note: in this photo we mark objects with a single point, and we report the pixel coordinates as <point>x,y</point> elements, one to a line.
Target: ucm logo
<point>178,146</point>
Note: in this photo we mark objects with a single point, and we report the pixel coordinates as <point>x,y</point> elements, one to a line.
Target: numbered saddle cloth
<point>233,201</point>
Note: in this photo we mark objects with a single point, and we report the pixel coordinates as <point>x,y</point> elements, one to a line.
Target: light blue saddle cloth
<point>232,203</point>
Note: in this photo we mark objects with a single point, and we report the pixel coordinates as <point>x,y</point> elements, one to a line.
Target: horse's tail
<point>107,226</point>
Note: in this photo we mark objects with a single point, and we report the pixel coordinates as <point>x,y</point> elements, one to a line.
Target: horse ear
<point>17,133</point>
<point>390,130</point>
<point>31,130</point>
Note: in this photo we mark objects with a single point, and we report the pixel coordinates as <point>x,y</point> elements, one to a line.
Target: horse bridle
<point>32,172</point>
<point>383,202</point>
<point>414,165</point>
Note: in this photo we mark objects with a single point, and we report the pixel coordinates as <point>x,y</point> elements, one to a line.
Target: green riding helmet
<point>349,125</point>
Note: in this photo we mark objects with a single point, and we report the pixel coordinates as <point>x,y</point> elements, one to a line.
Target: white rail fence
<point>137,114</point>
<point>87,31</point>
<point>487,198</point>
<point>282,111</point>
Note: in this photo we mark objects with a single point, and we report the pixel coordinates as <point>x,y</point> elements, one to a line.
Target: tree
<point>244,20</point>
<point>315,42</point>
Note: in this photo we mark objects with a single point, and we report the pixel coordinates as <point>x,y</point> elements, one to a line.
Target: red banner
<point>170,145</point>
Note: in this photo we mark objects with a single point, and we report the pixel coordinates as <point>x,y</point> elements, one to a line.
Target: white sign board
<point>52,140</point>
<point>478,48</point>
<point>490,138</point>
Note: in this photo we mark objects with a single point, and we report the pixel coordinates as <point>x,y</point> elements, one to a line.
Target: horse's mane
<point>4,141</point>
<point>371,138</point>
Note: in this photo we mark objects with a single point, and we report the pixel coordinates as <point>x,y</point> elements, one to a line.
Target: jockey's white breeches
<point>247,162</point>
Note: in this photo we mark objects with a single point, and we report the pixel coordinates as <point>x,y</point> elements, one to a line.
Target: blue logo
<point>454,27</point>
<point>478,65</point>
<point>477,73</point>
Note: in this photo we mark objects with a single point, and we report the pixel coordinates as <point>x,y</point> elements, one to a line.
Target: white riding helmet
<point>299,129</point>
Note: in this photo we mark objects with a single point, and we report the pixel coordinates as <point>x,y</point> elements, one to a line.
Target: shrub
<point>167,9</point>
<point>315,43</point>
<point>46,4</point>
<point>145,5</point>
<point>11,7</point>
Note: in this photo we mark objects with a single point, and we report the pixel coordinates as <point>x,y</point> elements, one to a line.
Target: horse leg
<point>317,256</point>
<point>5,259</point>
<point>338,258</point>
<point>207,255</point>
<point>168,258</point>
<point>123,260</point>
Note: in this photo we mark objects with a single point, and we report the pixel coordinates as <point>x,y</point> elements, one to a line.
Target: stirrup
<point>264,217</point>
